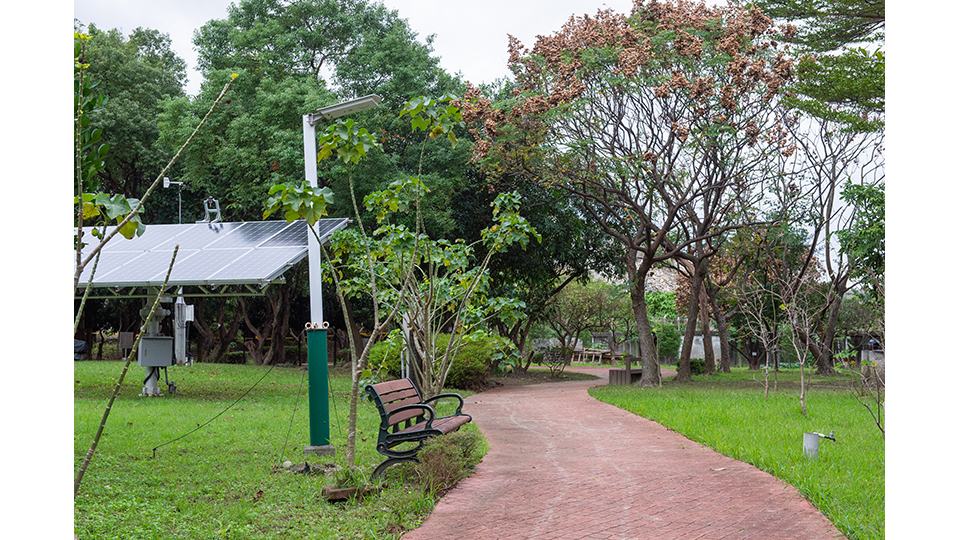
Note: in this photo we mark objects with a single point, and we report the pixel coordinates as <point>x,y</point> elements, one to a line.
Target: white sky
<point>471,39</point>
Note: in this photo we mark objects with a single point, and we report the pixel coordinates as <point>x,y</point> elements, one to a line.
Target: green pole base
<point>319,388</point>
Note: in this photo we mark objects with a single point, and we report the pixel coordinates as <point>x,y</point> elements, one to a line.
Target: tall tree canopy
<point>137,72</point>
<point>293,58</point>
<point>841,76</point>
<point>664,117</point>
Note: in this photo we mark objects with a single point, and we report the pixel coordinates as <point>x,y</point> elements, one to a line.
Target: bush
<point>231,357</point>
<point>669,340</point>
<point>470,367</point>
<point>698,366</point>
<point>469,370</point>
<point>447,459</point>
<point>555,358</point>
<point>385,356</point>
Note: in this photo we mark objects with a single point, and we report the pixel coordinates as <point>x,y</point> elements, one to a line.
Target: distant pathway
<point>565,466</point>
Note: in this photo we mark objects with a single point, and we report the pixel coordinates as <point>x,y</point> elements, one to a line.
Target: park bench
<point>405,417</point>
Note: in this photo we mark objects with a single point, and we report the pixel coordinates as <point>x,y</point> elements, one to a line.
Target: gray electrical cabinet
<point>155,351</point>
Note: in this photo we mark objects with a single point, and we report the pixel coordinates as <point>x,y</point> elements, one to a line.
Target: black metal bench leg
<point>390,462</point>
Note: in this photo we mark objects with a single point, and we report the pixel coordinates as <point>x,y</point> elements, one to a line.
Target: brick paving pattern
<point>565,466</point>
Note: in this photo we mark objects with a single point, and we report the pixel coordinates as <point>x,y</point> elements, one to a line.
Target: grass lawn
<point>729,413</point>
<point>224,480</point>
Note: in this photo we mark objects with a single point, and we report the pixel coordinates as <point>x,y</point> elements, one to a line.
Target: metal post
<point>318,386</point>
<point>313,248</point>
<point>317,338</point>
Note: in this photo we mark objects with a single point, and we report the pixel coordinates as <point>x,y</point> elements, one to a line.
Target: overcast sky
<point>471,37</point>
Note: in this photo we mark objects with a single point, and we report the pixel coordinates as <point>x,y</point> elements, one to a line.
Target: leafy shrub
<point>470,367</point>
<point>469,370</point>
<point>385,357</point>
<point>231,357</point>
<point>555,358</point>
<point>669,340</point>
<point>698,366</point>
<point>447,459</point>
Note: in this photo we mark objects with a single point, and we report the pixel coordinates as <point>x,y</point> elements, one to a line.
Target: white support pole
<point>313,248</point>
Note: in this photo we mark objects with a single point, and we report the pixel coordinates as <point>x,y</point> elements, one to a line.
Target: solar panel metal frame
<point>210,254</point>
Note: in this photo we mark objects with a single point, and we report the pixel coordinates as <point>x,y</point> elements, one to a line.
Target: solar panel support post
<point>313,248</point>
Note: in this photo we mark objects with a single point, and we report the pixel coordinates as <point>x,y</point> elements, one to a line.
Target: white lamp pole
<point>310,170</point>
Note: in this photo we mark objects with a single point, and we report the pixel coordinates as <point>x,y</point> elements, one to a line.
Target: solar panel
<point>243,253</point>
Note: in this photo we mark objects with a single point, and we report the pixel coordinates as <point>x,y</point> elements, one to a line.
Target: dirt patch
<point>538,376</point>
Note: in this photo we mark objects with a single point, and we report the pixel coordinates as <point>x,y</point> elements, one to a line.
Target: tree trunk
<point>723,329</point>
<point>693,312</point>
<point>708,356</point>
<point>213,344</point>
<point>649,357</point>
<point>755,354</point>
<point>276,320</point>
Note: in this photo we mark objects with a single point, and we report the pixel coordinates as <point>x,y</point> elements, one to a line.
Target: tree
<point>569,249</point>
<point>137,72</point>
<point>434,284</point>
<point>840,76</point>
<point>830,157</point>
<point>576,309</point>
<point>647,120</point>
<point>864,242</point>
<point>295,57</point>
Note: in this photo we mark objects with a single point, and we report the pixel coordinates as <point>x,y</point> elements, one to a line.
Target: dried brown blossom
<point>752,132</point>
<point>688,45</point>
<point>783,66</point>
<point>757,22</point>
<point>678,81</point>
<point>728,98</point>
<point>702,88</point>
<point>681,131</point>
<point>788,31</point>
<point>629,61</point>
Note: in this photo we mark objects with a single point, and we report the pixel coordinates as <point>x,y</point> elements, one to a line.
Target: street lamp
<point>344,108</point>
<point>318,386</point>
<point>166,184</point>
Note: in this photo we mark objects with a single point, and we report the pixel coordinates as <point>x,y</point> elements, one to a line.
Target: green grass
<point>225,479</point>
<point>728,413</point>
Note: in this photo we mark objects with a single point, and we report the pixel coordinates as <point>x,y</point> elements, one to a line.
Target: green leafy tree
<point>570,249</point>
<point>865,241</point>
<point>137,72</point>
<point>578,308</point>
<point>433,284</point>
<point>295,57</point>
<point>841,74</point>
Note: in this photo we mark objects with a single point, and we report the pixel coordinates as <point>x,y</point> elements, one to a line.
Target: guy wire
<point>218,414</point>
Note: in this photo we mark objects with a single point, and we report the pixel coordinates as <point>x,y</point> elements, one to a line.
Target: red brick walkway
<point>565,466</point>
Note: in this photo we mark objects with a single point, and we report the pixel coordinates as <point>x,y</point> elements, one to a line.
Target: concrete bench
<point>620,377</point>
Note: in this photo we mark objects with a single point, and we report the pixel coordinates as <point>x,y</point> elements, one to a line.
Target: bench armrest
<point>440,396</point>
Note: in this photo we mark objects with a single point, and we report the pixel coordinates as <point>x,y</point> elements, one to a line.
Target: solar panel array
<point>245,253</point>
